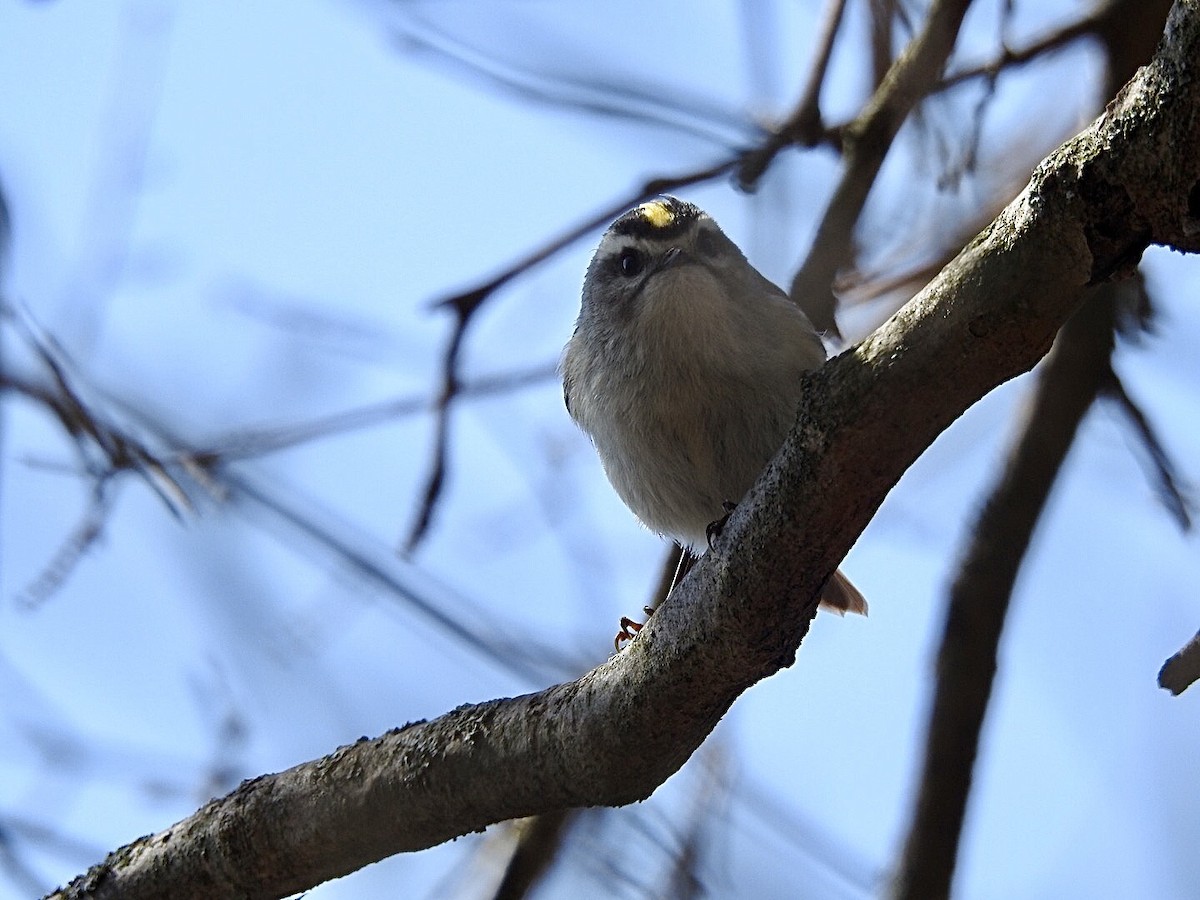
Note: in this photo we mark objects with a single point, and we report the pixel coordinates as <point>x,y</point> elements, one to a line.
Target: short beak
<point>673,257</point>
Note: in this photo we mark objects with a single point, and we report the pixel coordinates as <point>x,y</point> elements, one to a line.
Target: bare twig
<point>883,15</point>
<point>119,450</point>
<point>1117,24</point>
<point>628,99</point>
<point>1011,59</point>
<point>73,548</point>
<point>707,818</point>
<point>1073,374</point>
<point>178,467</point>
<point>254,442</point>
<point>1168,482</point>
<point>106,451</point>
<point>133,96</point>
<point>866,143</point>
<point>537,844</point>
<point>804,127</point>
<point>1183,669</point>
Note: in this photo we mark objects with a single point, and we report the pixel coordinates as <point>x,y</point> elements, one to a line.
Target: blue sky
<point>238,215</point>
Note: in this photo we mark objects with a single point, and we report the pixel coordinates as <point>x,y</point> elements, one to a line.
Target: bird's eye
<point>707,244</point>
<point>631,261</point>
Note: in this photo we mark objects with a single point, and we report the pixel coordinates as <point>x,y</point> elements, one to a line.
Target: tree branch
<point>1182,670</point>
<point>1074,373</point>
<point>1172,495</point>
<point>867,140</point>
<point>805,125</point>
<point>615,734</point>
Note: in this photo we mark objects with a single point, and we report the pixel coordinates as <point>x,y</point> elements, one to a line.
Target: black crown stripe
<point>658,219</point>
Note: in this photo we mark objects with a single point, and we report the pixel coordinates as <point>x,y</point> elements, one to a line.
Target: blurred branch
<point>837,860</point>
<point>254,442</point>
<point>1010,59</point>
<point>16,869</point>
<point>106,451</point>
<point>73,548</point>
<point>634,100</point>
<point>866,141</point>
<point>1116,24</point>
<point>538,841</point>
<point>1168,482</point>
<point>1183,669</point>
<point>883,14</point>
<point>105,448</point>
<point>132,100</point>
<point>1074,372</point>
<point>707,818</point>
<point>468,624</point>
<point>805,126</point>
<point>174,471</point>
<point>614,735</point>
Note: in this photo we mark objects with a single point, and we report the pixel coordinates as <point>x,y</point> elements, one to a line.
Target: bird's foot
<point>714,529</point>
<point>630,628</point>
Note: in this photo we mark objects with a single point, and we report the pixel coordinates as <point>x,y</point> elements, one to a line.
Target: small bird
<point>685,371</point>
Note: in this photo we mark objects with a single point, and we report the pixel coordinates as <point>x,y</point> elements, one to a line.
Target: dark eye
<point>707,244</point>
<point>631,261</point>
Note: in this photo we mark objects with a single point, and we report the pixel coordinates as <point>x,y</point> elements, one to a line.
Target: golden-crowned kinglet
<point>685,371</point>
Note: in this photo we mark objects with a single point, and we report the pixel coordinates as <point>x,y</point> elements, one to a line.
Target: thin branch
<point>1183,669</point>
<point>633,100</point>
<point>73,548</point>
<point>804,126</point>
<point>178,464</point>
<point>867,140</point>
<point>1115,23</point>
<point>120,451</point>
<point>1010,59</point>
<point>883,13</point>
<point>1168,482</point>
<point>253,442</point>
<point>537,843</point>
<point>106,451</point>
<point>707,818</point>
<point>1074,373</point>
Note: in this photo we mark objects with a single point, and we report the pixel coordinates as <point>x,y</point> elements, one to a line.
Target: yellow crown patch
<point>658,213</point>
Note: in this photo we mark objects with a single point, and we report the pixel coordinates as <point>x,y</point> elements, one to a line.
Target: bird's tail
<point>841,597</point>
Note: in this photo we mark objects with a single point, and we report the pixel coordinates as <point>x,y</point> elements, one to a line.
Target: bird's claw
<point>713,530</point>
<point>630,628</point>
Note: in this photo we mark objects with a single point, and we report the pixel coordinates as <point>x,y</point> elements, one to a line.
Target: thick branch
<point>615,734</point>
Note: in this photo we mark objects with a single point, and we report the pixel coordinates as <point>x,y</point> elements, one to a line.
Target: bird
<point>685,370</point>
